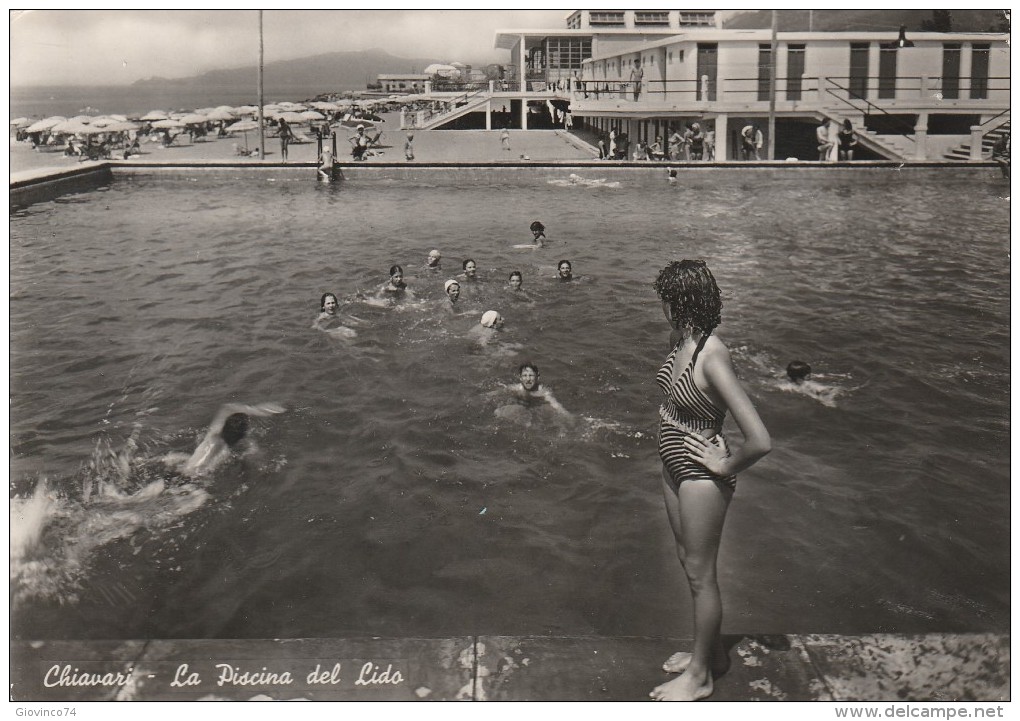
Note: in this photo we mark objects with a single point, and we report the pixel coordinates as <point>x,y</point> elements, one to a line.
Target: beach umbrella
<point>322,105</point>
<point>168,123</point>
<point>220,114</point>
<point>243,126</point>
<point>246,109</point>
<point>84,119</point>
<point>20,122</point>
<point>45,124</point>
<point>121,126</point>
<point>293,118</point>
<point>155,115</point>
<point>73,127</point>
<point>312,115</point>
<point>194,119</point>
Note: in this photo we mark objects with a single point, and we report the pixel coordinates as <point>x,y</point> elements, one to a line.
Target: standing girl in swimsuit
<point>698,465</point>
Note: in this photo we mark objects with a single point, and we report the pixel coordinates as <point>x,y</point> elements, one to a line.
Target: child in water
<point>539,232</point>
<point>226,436</point>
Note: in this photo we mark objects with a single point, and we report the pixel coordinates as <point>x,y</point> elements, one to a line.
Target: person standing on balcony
<point>636,76</point>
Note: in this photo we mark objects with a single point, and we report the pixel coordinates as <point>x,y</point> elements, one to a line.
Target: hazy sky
<point>114,47</point>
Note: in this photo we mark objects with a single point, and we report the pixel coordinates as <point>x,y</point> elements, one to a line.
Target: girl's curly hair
<point>693,296</point>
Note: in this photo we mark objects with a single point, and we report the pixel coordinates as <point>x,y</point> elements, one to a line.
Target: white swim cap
<point>447,284</point>
<point>489,318</point>
<point>435,254</point>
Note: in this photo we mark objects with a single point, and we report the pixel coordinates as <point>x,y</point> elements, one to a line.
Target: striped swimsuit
<point>686,408</point>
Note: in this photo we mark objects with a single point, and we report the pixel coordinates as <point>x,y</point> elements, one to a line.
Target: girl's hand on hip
<point>709,452</point>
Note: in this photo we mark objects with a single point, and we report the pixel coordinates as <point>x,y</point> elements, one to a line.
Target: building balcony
<point>802,95</point>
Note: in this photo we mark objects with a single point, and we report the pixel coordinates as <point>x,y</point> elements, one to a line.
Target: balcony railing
<point>992,92</point>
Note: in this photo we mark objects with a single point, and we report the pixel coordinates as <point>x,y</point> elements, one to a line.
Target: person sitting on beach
<point>359,143</point>
<point>539,232</point>
<point>452,288</point>
<point>395,287</point>
<point>565,271</point>
<point>71,149</point>
<point>1000,154</point>
<point>133,149</point>
<point>432,262</point>
<point>325,169</point>
<point>226,437</point>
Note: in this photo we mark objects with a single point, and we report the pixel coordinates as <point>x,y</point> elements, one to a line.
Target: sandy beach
<point>430,146</point>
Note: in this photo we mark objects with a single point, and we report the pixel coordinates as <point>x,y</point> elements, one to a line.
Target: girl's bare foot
<point>679,661</point>
<point>684,688</point>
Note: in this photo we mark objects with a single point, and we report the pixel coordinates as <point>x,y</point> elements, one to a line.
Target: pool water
<point>392,498</point>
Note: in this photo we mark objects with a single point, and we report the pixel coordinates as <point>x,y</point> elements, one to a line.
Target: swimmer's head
<point>396,272</point>
<point>452,289</point>
<point>492,319</point>
<point>470,267</point>
<point>672,172</point>
<point>234,428</point>
<point>689,294</point>
<point>565,270</point>
<point>434,256</point>
<point>516,280</point>
<point>537,227</point>
<point>798,371</point>
<point>410,136</point>
<point>328,303</point>
<point>529,376</point>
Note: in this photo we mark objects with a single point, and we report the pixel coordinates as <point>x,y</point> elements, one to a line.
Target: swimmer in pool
<point>452,288</point>
<point>538,230</point>
<point>515,281</point>
<point>227,436</point>
<point>565,271</point>
<point>329,320</point>
<point>798,380</point>
<point>470,270</point>
<point>432,261</point>
<point>672,175</point>
<point>488,327</point>
<point>395,287</point>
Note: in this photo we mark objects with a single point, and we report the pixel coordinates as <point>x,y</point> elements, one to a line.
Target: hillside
<point>869,20</point>
<point>329,71</point>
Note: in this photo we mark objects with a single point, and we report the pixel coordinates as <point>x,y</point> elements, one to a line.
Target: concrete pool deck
<point>812,667</point>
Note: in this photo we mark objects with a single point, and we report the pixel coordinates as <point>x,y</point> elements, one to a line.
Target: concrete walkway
<point>934,667</point>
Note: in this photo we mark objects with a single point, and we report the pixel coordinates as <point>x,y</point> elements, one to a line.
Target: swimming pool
<point>391,500</point>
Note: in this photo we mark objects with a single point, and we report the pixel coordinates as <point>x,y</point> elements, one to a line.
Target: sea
<point>405,493</point>
<point>43,102</point>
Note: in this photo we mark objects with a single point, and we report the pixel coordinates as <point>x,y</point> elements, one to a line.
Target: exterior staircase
<point>888,145</point>
<point>469,103</point>
<point>989,139</point>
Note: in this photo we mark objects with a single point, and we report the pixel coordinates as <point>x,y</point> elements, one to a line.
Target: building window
<point>606,18</point>
<point>574,21</point>
<point>568,53</point>
<point>642,17</point>
<point>794,71</point>
<point>697,19</point>
<point>669,57</point>
<point>979,70</point>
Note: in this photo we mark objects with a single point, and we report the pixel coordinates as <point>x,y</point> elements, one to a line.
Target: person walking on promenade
<point>698,464</point>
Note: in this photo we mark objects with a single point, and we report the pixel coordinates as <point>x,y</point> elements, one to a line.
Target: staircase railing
<point>895,121</point>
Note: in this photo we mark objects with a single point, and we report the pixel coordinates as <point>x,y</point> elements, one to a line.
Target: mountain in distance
<point>329,71</point>
<point>977,21</point>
